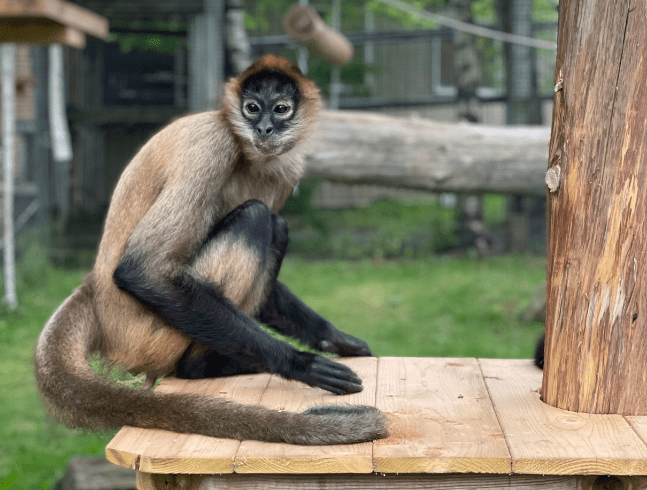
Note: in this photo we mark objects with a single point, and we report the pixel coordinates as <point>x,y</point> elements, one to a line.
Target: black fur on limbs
<point>225,340</point>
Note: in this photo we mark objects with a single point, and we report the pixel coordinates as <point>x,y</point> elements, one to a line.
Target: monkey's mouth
<point>268,147</point>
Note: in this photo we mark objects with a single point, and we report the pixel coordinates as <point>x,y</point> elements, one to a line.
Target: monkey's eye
<point>281,108</point>
<point>252,108</point>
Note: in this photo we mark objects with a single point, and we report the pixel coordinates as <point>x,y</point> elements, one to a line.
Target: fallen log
<point>371,148</point>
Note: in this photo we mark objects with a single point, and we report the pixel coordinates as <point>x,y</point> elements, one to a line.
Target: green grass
<point>32,446</point>
<point>385,228</point>
<point>424,307</point>
<point>432,307</point>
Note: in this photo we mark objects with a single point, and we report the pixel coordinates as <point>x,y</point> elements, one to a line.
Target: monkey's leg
<point>251,249</point>
<point>200,362</point>
<point>283,311</point>
<point>205,309</point>
<point>286,313</point>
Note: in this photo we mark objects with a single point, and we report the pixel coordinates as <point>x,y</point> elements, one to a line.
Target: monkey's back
<point>131,331</point>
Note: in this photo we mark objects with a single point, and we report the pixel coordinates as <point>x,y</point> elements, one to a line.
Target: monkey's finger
<point>345,389</point>
<point>337,381</point>
<point>345,345</point>
<point>338,386</point>
<point>325,367</point>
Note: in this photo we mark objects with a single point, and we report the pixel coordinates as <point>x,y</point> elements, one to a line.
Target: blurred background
<point>416,266</point>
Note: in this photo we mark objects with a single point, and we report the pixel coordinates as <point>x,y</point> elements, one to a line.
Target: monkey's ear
<point>307,87</point>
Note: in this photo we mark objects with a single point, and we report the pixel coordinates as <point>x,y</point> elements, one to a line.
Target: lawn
<point>434,306</point>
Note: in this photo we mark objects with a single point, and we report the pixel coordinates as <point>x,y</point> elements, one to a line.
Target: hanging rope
<point>458,25</point>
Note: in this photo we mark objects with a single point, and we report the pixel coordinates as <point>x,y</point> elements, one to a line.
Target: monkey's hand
<point>342,344</point>
<point>323,373</point>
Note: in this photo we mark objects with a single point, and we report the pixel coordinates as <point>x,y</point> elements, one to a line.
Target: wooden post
<point>214,38</point>
<point>60,135</point>
<point>596,325</point>
<point>302,51</point>
<point>8,70</point>
<point>205,57</point>
<point>335,76</point>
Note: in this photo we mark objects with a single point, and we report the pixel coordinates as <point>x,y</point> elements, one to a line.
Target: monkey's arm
<point>154,269</point>
<point>198,310</point>
<point>286,313</point>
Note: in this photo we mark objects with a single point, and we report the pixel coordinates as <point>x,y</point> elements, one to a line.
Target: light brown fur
<point>199,153</point>
<point>187,177</point>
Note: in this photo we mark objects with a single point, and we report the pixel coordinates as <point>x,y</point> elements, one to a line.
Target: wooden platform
<point>455,423</point>
<point>49,21</point>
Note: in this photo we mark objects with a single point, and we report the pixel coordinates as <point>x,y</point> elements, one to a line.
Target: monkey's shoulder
<point>186,145</point>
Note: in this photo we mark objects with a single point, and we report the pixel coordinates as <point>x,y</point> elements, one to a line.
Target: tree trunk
<point>377,149</point>
<point>596,325</point>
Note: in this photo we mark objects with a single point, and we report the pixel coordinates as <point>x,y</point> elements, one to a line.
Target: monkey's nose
<point>264,130</point>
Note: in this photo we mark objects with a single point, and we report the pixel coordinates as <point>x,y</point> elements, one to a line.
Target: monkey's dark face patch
<point>269,103</point>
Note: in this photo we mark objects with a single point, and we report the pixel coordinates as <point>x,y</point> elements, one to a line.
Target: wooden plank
<point>166,452</point>
<point>639,425</point>
<point>80,18</point>
<point>281,394</point>
<point>131,443</point>
<point>39,31</point>
<point>362,481</point>
<point>63,13</point>
<point>157,451</point>
<point>547,440</point>
<point>441,418</point>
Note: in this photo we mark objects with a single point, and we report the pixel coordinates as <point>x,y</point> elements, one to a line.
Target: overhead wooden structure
<point>48,22</point>
<point>127,10</point>
<point>596,322</point>
<point>455,423</point>
<point>45,22</point>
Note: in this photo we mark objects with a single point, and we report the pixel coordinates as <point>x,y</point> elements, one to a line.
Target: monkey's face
<point>269,105</point>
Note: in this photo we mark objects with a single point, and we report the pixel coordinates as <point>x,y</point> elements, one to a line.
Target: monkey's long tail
<point>80,398</point>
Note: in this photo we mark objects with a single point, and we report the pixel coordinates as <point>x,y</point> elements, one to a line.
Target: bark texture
<point>596,325</point>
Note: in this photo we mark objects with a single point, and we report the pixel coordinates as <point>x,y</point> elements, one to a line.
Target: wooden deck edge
<point>374,481</point>
<point>331,465</point>
<point>189,466</point>
<point>500,466</point>
<point>121,458</point>
<point>166,466</point>
<point>581,467</point>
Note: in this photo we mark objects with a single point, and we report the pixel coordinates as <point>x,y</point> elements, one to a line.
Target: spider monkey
<point>188,261</point>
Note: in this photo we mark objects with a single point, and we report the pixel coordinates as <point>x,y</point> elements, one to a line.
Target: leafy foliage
<point>383,229</point>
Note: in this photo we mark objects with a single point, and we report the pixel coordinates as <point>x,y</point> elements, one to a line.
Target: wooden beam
<point>65,14</point>
<point>377,149</point>
<point>40,31</point>
<point>374,481</point>
<point>79,18</point>
<point>128,8</point>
